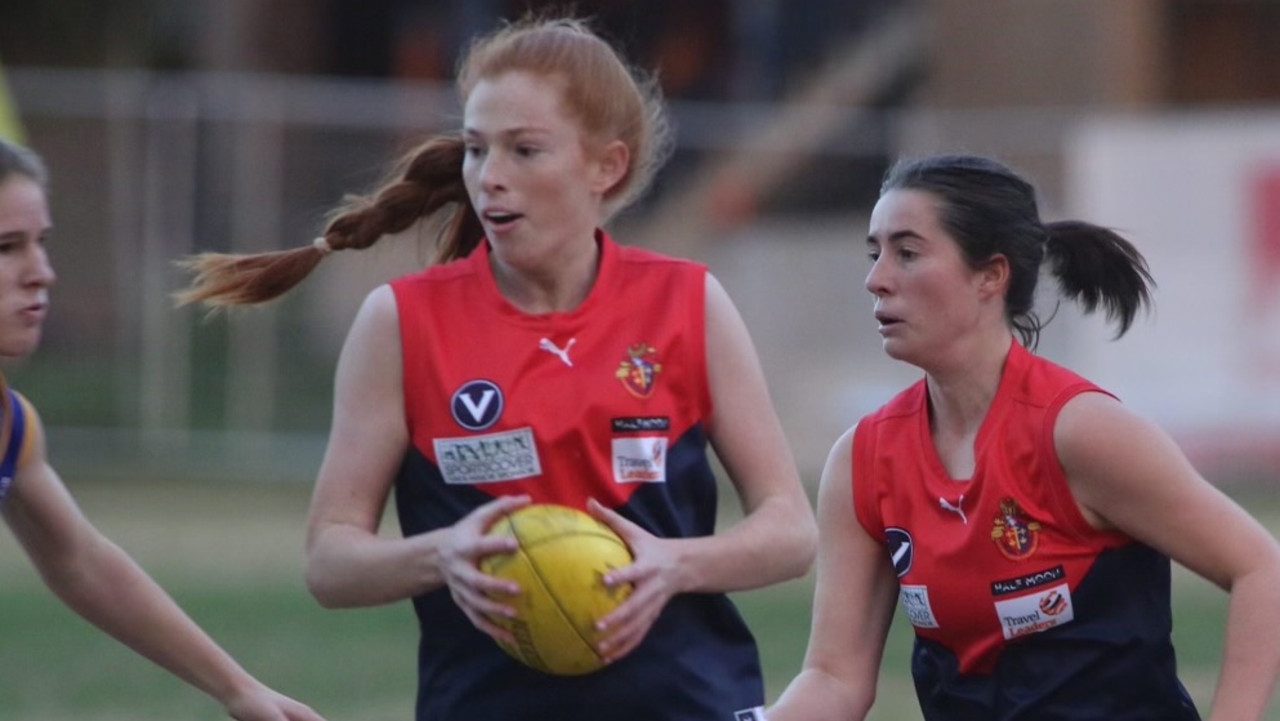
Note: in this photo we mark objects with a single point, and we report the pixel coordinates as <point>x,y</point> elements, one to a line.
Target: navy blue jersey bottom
<point>698,663</point>
<point>1115,661</point>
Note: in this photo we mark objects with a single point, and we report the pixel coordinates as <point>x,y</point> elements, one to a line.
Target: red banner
<point>1264,250</point>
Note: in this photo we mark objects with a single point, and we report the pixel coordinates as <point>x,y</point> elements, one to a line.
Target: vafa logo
<point>477,404</point>
<point>901,549</point>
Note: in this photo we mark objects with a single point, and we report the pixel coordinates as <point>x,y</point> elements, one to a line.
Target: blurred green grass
<point>231,555</point>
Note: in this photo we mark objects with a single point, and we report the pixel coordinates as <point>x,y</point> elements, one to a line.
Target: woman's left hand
<point>654,576</point>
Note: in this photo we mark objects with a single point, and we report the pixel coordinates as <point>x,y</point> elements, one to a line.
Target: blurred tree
<point>1223,52</point>
<point>75,33</point>
<point>10,125</point>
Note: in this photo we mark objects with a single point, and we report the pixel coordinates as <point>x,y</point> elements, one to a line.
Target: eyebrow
<point>896,236</point>
<point>21,234</point>
<point>509,132</point>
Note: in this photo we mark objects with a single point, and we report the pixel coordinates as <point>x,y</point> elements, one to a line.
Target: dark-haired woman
<point>1020,515</point>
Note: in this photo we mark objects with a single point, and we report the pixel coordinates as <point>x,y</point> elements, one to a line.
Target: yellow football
<point>560,564</point>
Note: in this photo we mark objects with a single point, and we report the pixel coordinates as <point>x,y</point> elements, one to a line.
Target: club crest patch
<point>1014,534</point>
<point>639,370</point>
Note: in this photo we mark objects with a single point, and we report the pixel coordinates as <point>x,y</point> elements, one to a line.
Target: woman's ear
<point>611,164</point>
<point>994,276</point>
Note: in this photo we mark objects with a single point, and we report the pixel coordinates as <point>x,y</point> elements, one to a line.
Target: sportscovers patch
<point>489,458</point>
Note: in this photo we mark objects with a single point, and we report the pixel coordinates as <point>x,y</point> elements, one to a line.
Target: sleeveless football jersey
<point>607,401</point>
<point>1021,609</point>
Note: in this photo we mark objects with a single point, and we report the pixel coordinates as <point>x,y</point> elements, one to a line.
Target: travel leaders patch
<point>640,459</point>
<point>639,370</point>
<point>1014,534</point>
<point>1035,612</point>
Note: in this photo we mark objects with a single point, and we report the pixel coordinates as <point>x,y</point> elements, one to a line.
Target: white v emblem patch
<point>477,404</point>
<point>477,409</point>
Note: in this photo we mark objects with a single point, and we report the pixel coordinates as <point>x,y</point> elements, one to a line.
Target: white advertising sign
<point>1200,197</point>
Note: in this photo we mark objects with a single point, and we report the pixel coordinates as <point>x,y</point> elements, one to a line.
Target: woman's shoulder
<point>1041,382</point>
<point>437,272</point>
<point>907,402</point>
<point>635,255</point>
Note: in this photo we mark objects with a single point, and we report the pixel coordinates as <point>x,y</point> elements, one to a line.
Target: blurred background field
<point>176,127</point>
<point>231,554</point>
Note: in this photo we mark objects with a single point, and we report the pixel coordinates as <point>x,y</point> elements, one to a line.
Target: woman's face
<point>527,168</point>
<point>25,273</point>
<point>925,293</point>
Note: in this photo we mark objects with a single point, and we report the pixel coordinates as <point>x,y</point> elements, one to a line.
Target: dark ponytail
<point>1095,266</point>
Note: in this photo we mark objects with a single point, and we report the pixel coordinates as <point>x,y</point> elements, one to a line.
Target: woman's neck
<point>961,392</point>
<point>559,284</point>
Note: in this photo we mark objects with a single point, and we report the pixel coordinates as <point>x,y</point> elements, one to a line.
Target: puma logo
<point>956,508</point>
<point>562,353</point>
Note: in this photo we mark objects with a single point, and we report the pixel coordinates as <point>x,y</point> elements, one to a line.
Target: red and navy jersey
<point>1021,609</point>
<point>607,401</point>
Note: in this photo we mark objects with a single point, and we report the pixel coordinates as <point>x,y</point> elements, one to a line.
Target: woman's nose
<point>492,171</point>
<point>877,279</point>
<point>40,271</point>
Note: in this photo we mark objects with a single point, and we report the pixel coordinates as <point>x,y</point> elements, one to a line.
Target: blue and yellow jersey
<point>1021,609</point>
<point>608,401</point>
<point>14,438</point>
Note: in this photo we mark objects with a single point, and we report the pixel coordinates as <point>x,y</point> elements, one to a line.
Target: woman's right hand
<point>465,544</point>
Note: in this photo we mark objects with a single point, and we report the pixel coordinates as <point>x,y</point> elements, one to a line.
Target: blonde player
<point>93,576</point>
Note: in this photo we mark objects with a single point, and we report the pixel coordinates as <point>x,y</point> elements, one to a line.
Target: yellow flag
<point>10,124</point>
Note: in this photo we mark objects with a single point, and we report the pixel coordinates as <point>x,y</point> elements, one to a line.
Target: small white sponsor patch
<point>491,458</point>
<point>640,459</point>
<point>915,603</point>
<point>1035,612</point>
<point>750,714</point>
